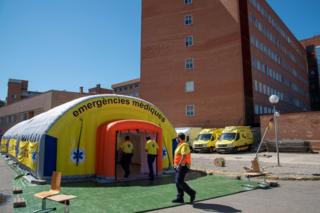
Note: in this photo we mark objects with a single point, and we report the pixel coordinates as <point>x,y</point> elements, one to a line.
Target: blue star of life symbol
<point>34,156</point>
<point>164,152</point>
<point>77,156</point>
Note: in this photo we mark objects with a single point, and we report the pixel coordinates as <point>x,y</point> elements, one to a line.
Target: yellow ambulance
<point>234,138</point>
<point>206,140</point>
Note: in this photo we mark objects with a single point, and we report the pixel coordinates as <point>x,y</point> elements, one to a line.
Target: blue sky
<point>64,44</point>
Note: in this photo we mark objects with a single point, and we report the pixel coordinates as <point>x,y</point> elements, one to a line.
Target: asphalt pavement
<point>293,166</point>
<point>290,196</point>
<point>6,176</point>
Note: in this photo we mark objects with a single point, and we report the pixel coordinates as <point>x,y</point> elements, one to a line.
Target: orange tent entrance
<point>106,147</point>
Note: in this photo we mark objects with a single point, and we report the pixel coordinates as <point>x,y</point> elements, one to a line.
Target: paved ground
<point>303,166</point>
<point>290,196</point>
<point>6,175</point>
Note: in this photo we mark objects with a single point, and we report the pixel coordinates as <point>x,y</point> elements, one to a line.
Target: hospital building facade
<point>215,63</point>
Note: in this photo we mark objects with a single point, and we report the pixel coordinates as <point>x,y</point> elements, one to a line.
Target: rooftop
<point>133,81</point>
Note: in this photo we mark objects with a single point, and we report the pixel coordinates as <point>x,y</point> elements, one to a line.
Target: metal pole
<point>262,139</point>
<point>276,132</point>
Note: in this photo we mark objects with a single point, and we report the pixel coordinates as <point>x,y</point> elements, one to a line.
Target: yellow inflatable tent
<point>80,138</point>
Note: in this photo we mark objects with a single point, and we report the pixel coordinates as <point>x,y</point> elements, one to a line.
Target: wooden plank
<point>61,197</point>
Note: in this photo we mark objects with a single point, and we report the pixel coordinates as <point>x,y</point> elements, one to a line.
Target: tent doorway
<point>139,166</point>
<point>109,138</point>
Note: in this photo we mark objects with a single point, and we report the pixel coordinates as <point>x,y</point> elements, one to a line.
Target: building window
<point>187,2</point>
<point>190,111</point>
<point>256,109</point>
<point>12,118</point>
<point>188,20</point>
<point>189,41</point>
<point>24,116</point>
<point>189,63</point>
<point>260,87</point>
<point>189,86</point>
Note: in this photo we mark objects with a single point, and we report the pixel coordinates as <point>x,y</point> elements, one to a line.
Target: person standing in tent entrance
<point>126,149</point>
<point>151,148</point>
<point>182,163</point>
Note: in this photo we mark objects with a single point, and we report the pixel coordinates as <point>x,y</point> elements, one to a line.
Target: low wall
<point>303,126</point>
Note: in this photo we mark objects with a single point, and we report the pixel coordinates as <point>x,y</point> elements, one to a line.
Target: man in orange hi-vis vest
<point>182,163</point>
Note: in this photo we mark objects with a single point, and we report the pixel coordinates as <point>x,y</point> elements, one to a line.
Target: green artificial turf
<point>130,196</point>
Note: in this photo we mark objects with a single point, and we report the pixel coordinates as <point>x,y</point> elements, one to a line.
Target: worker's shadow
<point>215,208</point>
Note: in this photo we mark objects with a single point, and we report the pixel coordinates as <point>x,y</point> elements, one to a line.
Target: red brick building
<point>98,90</point>
<point>215,63</point>
<point>18,90</point>
<point>302,126</point>
<point>131,88</point>
<point>312,46</point>
<point>26,108</point>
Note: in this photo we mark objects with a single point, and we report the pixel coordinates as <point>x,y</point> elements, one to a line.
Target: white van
<point>190,132</point>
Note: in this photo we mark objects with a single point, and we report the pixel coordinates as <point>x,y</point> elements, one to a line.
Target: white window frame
<point>190,110</point>
<point>260,87</point>
<point>260,110</point>
<point>188,19</point>
<point>256,109</point>
<point>189,86</point>
<point>187,2</point>
<point>189,41</point>
<point>255,85</point>
<point>188,64</point>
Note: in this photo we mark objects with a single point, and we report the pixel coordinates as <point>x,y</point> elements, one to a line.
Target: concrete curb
<point>239,175</point>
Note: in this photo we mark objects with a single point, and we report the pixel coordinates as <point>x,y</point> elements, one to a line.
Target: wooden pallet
<point>19,202</point>
<point>17,190</point>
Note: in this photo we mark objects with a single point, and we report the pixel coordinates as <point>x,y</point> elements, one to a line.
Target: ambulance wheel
<point>211,149</point>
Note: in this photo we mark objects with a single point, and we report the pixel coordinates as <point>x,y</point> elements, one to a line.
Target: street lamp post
<point>274,99</point>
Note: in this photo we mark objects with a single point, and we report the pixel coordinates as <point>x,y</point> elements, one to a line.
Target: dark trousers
<point>181,185</point>
<point>151,159</point>
<point>125,163</point>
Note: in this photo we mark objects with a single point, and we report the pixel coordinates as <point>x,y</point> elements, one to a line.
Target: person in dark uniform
<point>126,149</point>
<point>151,148</point>
<point>182,163</point>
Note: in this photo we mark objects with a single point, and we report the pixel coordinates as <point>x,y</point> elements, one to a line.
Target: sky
<point>65,44</point>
